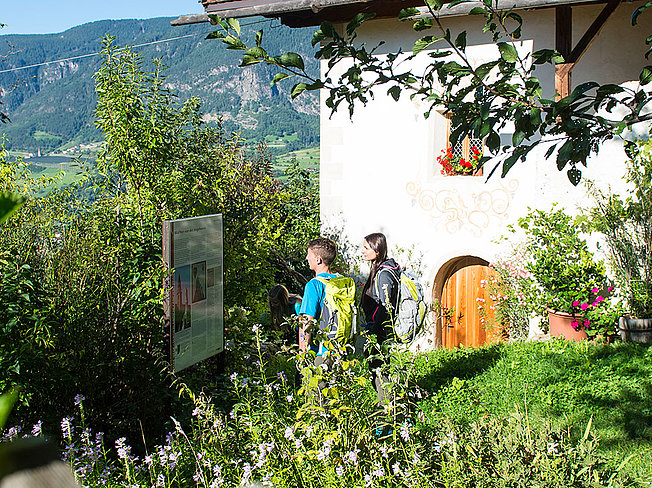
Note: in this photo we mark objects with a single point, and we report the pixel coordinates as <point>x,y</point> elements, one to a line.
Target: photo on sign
<point>199,282</point>
<point>182,298</point>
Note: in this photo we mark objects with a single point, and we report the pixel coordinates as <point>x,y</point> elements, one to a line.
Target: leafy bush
<point>559,259</point>
<point>511,301</point>
<point>82,268</point>
<point>330,433</point>
<point>627,228</point>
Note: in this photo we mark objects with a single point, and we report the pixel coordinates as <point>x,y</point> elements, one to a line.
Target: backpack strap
<point>329,326</point>
<point>394,273</point>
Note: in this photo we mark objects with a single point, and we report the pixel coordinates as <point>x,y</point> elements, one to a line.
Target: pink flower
<point>587,322</point>
<point>599,299</point>
<point>595,290</point>
<point>610,288</point>
<point>574,324</point>
<point>584,306</point>
<point>576,303</point>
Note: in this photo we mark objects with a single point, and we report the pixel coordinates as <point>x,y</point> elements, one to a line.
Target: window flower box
<point>452,165</point>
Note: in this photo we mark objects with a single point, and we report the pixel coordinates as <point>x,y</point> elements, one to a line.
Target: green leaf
<point>234,43</point>
<point>435,4</point>
<point>516,17</point>
<point>357,21</point>
<point>550,150</point>
<point>639,11</point>
<point>543,56</point>
<point>517,138</point>
<point>631,149</point>
<point>317,85</point>
<point>408,13</point>
<point>9,203</point>
<point>535,117</point>
<point>6,404</point>
<point>484,69</point>
<point>259,38</point>
<point>422,24</point>
<point>257,52</point>
<point>455,3</point>
<point>234,24</point>
<point>583,88</point>
<point>508,52</point>
<point>327,29</point>
<point>516,33</point>
<point>478,11</point>
<point>609,89</point>
<point>485,128</point>
<point>278,77</point>
<point>460,42</point>
<point>395,92</point>
<point>248,60</point>
<point>565,154</point>
<point>493,142</point>
<point>291,60</point>
<point>317,37</point>
<point>215,35</point>
<point>574,175</point>
<point>646,75</point>
<point>509,163</point>
<point>423,43</point>
<point>298,89</point>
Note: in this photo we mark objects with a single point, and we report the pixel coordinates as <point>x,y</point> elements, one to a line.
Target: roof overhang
<point>302,13</point>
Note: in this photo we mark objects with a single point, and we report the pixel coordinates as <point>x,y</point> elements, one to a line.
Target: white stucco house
<point>379,170</point>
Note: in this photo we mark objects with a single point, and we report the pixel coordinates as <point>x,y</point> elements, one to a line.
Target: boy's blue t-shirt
<point>313,299</point>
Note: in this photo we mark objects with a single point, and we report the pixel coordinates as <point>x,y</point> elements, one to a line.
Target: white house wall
<point>379,169</point>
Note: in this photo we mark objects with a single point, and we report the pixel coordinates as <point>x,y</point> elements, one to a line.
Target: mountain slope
<point>52,105</point>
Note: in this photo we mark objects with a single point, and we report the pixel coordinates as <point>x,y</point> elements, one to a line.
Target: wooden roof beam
<point>593,31</point>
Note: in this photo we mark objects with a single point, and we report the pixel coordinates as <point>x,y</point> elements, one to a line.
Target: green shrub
<point>330,433</point>
<point>83,276</point>
<point>559,259</point>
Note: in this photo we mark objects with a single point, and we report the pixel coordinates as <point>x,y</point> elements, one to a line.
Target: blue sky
<point>46,16</point>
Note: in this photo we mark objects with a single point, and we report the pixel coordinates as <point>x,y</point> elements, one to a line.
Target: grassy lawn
<point>51,166</point>
<point>307,158</point>
<point>562,384</point>
<point>70,170</point>
<point>40,135</point>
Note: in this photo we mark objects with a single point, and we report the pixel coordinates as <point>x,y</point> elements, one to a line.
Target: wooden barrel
<point>635,330</point>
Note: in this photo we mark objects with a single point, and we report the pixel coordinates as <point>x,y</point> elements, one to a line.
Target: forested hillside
<point>51,106</point>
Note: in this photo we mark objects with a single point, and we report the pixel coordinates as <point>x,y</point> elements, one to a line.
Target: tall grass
<point>560,383</point>
<point>514,415</point>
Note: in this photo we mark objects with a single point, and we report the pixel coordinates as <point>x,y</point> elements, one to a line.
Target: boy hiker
<point>327,297</point>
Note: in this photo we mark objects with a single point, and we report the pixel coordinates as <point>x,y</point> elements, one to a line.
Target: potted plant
<point>598,317</point>
<point>457,165</point>
<point>563,268</point>
<point>627,228</point>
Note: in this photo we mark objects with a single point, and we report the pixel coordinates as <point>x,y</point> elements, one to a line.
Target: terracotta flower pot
<point>560,326</point>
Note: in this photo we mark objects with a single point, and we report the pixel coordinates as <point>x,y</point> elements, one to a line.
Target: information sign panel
<point>192,250</point>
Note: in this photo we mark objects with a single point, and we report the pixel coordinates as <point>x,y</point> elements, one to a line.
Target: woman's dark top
<point>380,307</point>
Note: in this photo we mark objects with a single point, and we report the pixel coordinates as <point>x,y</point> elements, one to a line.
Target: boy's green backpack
<point>338,314</point>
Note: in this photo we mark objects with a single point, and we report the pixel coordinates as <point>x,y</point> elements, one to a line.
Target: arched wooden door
<point>462,323</point>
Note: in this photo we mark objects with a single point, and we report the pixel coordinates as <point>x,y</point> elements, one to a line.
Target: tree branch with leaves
<point>480,100</point>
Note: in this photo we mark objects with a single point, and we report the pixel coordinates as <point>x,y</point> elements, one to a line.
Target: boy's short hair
<point>325,248</point>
